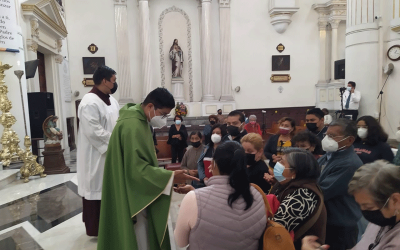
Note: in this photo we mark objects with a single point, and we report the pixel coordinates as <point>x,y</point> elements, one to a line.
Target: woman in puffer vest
<point>228,213</point>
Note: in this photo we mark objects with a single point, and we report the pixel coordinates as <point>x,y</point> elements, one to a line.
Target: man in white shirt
<point>351,101</point>
<point>98,113</point>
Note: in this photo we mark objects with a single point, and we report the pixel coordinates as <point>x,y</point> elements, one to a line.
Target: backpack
<point>275,236</point>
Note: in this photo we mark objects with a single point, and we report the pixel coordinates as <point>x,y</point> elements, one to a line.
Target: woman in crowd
<point>228,213</point>
<point>256,167</point>
<point>308,141</point>
<point>370,144</point>
<point>177,139</point>
<point>327,118</point>
<point>276,143</point>
<point>213,119</point>
<point>376,188</point>
<point>253,126</point>
<point>302,207</point>
<point>218,131</point>
<point>189,161</point>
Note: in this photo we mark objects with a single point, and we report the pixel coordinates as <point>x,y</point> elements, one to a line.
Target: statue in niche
<point>176,55</point>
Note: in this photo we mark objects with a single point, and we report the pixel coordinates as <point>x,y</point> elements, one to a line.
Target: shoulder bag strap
<point>268,209</point>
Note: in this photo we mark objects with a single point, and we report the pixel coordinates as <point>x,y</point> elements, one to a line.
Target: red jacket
<point>250,128</point>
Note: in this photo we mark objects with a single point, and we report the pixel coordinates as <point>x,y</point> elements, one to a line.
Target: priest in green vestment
<point>136,191</point>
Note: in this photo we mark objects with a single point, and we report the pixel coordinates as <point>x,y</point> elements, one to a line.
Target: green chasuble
<point>133,182</point>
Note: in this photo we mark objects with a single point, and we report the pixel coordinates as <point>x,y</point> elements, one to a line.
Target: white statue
<point>176,55</point>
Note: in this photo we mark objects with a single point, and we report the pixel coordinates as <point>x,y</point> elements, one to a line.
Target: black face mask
<point>114,89</point>
<point>196,144</point>
<point>376,217</point>
<point>233,130</point>
<point>220,113</point>
<point>212,122</point>
<point>312,127</point>
<point>251,159</point>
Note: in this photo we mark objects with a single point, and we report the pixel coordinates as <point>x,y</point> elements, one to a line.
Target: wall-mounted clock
<point>394,53</point>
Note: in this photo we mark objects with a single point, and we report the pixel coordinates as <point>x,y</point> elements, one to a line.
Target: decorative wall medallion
<point>280,48</point>
<point>189,45</point>
<point>280,78</point>
<point>93,48</point>
<point>280,63</point>
<point>88,82</point>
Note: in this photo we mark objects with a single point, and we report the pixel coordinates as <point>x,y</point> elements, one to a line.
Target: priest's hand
<point>181,177</point>
<point>183,190</point>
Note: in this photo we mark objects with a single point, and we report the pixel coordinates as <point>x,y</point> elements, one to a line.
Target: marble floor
<point>46,213</point>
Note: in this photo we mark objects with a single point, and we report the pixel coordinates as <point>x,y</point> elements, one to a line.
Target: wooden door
<point>42,72</point>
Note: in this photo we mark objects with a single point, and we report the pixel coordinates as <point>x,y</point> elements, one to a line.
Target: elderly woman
<point>228,213</point>
<point>253,126</point>
<point>302,207</point>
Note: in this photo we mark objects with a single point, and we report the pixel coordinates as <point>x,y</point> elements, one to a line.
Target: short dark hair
<point>317,112</point>
<point>178,116</point>
<point>353,84</point>
<point>196,133</point>
<point>219,110</point>
<point>160,98</point>
<point>349,127</point>
<point>213,117</point>
<point>376,133</point>
<point>303,163</point>
<point>326,111</point>
<point>237,113</point>
<point>306,136</point>
<point>103,72</point>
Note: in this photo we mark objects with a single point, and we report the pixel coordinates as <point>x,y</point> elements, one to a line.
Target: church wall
<point>254,41</point>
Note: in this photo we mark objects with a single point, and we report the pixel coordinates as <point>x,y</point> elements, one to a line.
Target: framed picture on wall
<point>90,64</point>
<point>281,63</point>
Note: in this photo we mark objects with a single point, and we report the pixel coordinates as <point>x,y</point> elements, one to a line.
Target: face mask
<point>220,113</point>
<point>157,121</point>
<point>349,88</point>
<point>251,159</point>
<point>196,144</point>
<point>114,89</point>
<point>178,122</point>
<point>278,171</point>
<point>362,133</point>
<point>233,130</point>
<point>212,122</point>
<point>253,122</point>
<point>215,138</point>
<point>376,217</point>
<point>312,126</point>
<point>398,136</point>
<point>284,131</point>
<point>330,145</point>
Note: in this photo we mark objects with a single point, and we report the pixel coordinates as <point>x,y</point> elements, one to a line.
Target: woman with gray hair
<point>376,188</point>
<point>253,126</point>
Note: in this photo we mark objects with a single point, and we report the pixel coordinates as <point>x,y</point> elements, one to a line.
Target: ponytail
<point>231,160</point>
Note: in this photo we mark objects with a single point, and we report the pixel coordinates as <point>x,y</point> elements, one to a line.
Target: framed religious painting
<point>90,64</point>
<point>281,63</point>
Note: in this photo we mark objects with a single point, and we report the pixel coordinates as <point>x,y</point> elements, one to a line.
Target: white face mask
<point>398,136</point>
<point>157,121</point>
<point>330,145</point>
<point>216,138</point>
<point>362,133</point>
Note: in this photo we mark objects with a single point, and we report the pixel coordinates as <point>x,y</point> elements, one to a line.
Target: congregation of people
<point>335,183</point>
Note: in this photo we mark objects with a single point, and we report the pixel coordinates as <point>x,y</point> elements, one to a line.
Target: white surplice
<point>96,123</point>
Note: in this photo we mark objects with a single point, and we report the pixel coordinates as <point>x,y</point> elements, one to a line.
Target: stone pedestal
<point>177,89</point>
<point>54,162</point>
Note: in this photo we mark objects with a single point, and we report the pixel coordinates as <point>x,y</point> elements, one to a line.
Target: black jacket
<point>237,139</point>
<point>271,148</point>
<point>175,141</point>
<point>256,175</point>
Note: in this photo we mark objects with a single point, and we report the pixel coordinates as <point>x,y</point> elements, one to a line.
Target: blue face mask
<point>278,171</point>
<point>178,122</point>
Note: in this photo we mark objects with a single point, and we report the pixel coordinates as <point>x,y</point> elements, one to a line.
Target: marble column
<point>362,54</point>
<point>225,31</point>
<point>208,87</point>
<point>334,55</point>
<point>145,47</point>
<point>199,10</point>
<point>123,55</point>
<point>322,52</point>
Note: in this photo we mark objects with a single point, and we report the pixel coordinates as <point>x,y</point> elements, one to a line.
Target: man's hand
<point>181,177</point>
<point>310,243</point>
<point>183,190</point>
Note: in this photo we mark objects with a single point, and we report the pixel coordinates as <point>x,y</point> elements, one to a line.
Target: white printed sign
<point>8,31</point>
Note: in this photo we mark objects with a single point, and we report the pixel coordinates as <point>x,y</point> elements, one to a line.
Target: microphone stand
<point>341,104</point>
<point>381,95</point>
